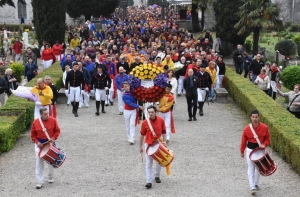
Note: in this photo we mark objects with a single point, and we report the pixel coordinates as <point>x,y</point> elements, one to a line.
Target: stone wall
<point>9,15</point>
<point>287,11</point>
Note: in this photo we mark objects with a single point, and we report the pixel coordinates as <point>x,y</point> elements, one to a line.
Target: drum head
<point>256,154</point>
<point>44,150</point>
<point>153,148</point>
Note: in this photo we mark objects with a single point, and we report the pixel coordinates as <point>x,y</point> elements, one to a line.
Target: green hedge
<point>17,114</point>
<point>283,126</point>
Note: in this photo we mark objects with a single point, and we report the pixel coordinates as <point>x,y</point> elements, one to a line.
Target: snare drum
<point>160,153</point>
<point>263,162</point>
<point>52,155</point>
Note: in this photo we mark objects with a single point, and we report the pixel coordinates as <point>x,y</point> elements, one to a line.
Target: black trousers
<point>297,114</point>
<point>192,105</point>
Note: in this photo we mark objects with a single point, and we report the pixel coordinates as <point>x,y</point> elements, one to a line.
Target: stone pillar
<point>25,39</point>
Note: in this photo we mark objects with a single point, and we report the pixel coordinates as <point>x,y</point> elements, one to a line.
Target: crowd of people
<point>97,65</point>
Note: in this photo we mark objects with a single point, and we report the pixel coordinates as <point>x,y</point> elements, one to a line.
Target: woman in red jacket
<point>48,56</point>
<point>57,50</point>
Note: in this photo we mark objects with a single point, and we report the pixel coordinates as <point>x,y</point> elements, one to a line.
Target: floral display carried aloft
<point>147,83</point>
<point>146,71</point>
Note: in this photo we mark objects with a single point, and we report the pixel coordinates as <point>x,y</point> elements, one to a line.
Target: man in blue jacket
<point>120,78</point>
<point>130,112</point>
<point>85,97</point>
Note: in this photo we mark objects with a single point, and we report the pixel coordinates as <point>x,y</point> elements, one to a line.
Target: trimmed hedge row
<point>284,127</point>
<point>17,114</point>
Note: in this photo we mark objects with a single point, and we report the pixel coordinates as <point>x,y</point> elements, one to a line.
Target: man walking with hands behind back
<point>249,143</point>
<point>191,84</point>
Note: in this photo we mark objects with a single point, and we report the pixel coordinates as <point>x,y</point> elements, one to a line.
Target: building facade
<point>12,15</point>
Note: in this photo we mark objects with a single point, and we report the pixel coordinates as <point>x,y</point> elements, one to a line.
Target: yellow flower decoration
<point>136,75</point>
<point>151,72</point>
<point>141,73</point>
<point>134,69</point>
<point>141,68</point>
<point>137,72</point>
<point>157,71</point>
<point>145,67</point>
<point>146,71</point>
<point>131,73</point>
<point>153,69</point>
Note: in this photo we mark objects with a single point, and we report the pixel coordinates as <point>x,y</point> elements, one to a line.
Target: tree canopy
<point>226,18</point>
<point>49,20</point>
<point>76,8</point>
<point>254,15</point>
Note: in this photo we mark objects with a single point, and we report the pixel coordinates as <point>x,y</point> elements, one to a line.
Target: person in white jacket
<point>67,69</point>
<point>173,81</point>
<point>263,81</point>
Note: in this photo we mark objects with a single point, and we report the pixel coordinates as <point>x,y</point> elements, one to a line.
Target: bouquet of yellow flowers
<point>146,71</point>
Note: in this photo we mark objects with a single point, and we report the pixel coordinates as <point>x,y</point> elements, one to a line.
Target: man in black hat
<point>101,82</point>
<point>75,84</point>
<point>205,82</point>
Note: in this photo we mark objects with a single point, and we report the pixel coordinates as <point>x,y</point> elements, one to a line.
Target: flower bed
<point>17,113</point>
<point>284,127</point>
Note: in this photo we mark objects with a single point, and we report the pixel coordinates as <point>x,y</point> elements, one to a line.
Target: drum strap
<point>255,135</point>
<point>44,129</point>
<point>150,126</point>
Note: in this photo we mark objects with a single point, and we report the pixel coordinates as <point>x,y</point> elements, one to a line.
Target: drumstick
<point>142,157</point>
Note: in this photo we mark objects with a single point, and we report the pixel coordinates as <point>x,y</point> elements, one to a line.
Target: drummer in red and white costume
<point>165,105</point>
<point>39,138</point>
<point>249,143</point>
<point>158,125</point>
<point>130,112</point>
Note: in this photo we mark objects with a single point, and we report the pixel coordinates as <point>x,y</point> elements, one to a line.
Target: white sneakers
<point>131,141</point>
<point>50,181</point>
<point>39,186</point>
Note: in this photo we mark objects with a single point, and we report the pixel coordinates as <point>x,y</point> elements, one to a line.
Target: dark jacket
<point>30,69</point>
<point>125,65</point>
<point>3,85</point>
<point>86,76</point>
<point>256,66</point>
<point>11,85</point>
<point>236,57</point>
<point>74,81</point>
<point>205,80</point>
<point>27,55</point>
<point>55,94</point>
<point>247,64</point>
<point>100,82</point>
<point>191,92</point>
<point>222,68</point>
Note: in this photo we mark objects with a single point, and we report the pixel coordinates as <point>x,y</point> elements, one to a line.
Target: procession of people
<point>100,67</point>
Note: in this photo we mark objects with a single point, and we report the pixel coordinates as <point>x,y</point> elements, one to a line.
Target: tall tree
<point>195,17</point>
<point>226,18</point>
<point>9,2</point>
<point>49,20</point>
<point>76,8</point>
<point>203,6</point>
<point>254,15</point>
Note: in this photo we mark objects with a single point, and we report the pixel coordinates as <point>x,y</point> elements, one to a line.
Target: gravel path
<point>101,162</point>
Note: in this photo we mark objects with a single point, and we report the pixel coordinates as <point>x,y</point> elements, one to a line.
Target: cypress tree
<point>49,18</point>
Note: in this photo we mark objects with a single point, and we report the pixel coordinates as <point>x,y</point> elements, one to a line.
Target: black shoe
<point>201,113</point>
<point>194,118</point>
<point>103,111</point>
<point>97,113</point>
<point>106,104</point>
<point>148,185</point>
<point>179,94</point>
<point>157,180</point>
<point>190,119</point>
<point>212,101</point>
<point>73,111</point>
<point>75,114</point>
<point>111,103</point>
